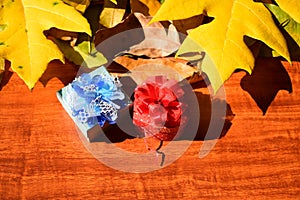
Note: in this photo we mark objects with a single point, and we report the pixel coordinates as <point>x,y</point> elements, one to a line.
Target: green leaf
<point>291,27</point>
<point>286,21</point>
<point>292,7</point>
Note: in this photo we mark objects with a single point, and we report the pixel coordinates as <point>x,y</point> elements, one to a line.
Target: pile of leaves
<point>236,34</point>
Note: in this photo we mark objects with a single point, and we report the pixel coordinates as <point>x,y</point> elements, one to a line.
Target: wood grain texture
<point>42,156</point>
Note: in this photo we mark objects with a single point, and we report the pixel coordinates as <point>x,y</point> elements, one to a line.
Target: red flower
<point>157,109</point>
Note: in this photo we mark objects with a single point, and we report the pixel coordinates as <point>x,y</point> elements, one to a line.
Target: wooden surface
<point>42,156</point>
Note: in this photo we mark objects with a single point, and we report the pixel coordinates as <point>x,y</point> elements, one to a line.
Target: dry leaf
<point>160,65</point>
<point>158,42</point>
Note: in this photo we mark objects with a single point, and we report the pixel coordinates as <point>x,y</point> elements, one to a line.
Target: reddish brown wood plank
<point>42,156</point>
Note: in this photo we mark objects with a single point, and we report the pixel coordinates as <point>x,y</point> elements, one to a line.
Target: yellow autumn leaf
<point>292,7</point>
<point>2,68</point>
<point>112,13</point>
<point>79,5</point>
<point>222,38</point>
<point>22,41</point>
<point>2,65</point>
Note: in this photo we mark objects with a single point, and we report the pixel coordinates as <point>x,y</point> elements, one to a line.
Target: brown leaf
<point>158,42</point>
<point>135,36</point>
<point>161,65</point>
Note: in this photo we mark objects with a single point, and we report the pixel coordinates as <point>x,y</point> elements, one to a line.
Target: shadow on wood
<point>268,77</point>
<point>5,75</point>
<point>64,72</point>
<point>114,134</point>
<point>209,119</point>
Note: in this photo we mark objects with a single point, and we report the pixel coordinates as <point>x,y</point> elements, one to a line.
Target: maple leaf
<point>292,7</point>
<point>22,40</point>
<point>222,38</point>
<point>287,22</point>
<point>291,30</point>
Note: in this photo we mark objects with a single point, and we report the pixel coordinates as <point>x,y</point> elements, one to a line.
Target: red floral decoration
<point>157,110</point>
